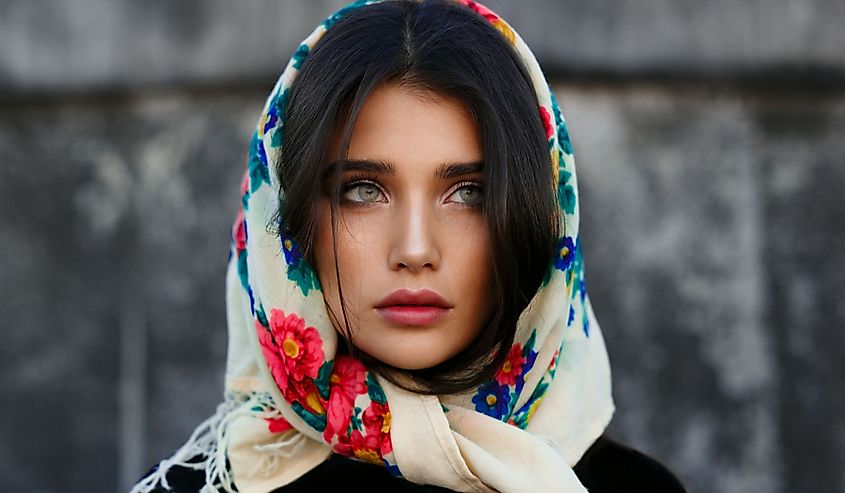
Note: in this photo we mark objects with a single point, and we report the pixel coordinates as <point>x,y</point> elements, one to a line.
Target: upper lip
<point>422,297</point>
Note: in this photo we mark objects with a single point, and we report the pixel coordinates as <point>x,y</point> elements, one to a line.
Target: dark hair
<point>439,46</point>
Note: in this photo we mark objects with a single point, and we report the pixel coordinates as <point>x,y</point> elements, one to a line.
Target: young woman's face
<point>412,242</point>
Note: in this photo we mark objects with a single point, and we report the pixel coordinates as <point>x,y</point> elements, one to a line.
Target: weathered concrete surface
<point>106,44</point>
<point>807,285</point>
<point>711,222</point>
<point>115,218</point>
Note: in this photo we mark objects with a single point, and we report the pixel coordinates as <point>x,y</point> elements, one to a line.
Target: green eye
<point>469,194</point>
<point>363,193</point>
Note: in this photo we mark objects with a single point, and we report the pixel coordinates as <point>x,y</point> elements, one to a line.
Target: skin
<point>409,227</point>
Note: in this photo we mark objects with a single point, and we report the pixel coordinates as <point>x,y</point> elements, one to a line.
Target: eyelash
<point>362,179</point>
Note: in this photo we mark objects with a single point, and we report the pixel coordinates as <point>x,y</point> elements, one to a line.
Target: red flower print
<point>553,363</point>
<point>245,183</point>
<point>305,393</point>
<point>292,350</point>
<point>376,421</point>
<point>239,232</point>
<point>360,446</point>
<point>481,9</point>
<point>345,384</point>
<point>492,18</point>
<point>278,425</point>
<point>301,346</point>
<point>512,367</point>
<point>547,122</point>
<point>271,356</point>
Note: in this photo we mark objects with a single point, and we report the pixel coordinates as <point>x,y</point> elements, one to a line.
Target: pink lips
<point>413,307</point>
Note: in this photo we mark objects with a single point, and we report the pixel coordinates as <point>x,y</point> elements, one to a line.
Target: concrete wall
<point>709,142</point>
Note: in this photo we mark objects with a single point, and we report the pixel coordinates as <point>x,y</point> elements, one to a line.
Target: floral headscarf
<point>291,400</point>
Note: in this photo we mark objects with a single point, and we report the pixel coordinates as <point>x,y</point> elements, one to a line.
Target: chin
<point>409,357</point>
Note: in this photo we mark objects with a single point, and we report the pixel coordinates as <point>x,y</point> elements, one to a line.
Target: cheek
<point>473,268</point>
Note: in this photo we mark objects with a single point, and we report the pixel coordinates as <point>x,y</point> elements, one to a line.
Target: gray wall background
<point>709,139</point>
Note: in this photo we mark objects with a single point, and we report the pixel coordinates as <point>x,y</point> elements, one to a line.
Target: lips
<point>418,297</point>
<point>408,307</point>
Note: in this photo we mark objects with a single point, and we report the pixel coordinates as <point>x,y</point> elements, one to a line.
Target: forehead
<point>414,128</point>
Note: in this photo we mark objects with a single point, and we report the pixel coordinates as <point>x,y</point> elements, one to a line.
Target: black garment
<point>607,467</point>
<point>611,467</point>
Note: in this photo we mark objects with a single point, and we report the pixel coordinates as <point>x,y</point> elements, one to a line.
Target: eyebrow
<point>444,171</point>
<point>369,165</point>
<point>452,170</point>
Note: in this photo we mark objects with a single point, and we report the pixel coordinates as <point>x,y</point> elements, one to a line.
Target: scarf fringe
<point>209,440</point>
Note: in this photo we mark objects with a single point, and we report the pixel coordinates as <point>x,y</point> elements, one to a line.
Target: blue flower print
<point>259,171</point>
<point>298,269</point>
<point>291,250</point>
<point>276,113</point>
<point>530,358</point>
<point>493,399</point>
<point>565,253</point>
<point>270,119</point>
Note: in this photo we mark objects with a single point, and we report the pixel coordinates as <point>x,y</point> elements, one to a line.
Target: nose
<point>414,245</point>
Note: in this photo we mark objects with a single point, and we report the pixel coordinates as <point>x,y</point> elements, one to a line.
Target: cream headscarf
<point>291,401</point>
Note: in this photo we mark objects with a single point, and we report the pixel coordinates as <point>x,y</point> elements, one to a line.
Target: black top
<point>607,467</point>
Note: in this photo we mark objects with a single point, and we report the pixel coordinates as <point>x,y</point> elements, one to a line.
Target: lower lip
<point>412,314</point>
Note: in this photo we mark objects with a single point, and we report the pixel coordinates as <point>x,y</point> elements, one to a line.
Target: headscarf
<point>291,399</point>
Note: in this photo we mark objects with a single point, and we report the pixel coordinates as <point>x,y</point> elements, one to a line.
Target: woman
<point>406,297</point>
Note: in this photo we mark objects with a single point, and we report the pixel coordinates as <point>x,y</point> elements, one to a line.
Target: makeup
<point>413,307</point>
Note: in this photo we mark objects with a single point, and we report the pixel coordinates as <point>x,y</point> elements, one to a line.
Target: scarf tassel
<point>209,440</point>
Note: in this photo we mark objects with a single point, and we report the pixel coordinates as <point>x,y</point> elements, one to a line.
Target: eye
<point>363,193</point>
<point>468,193</point>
